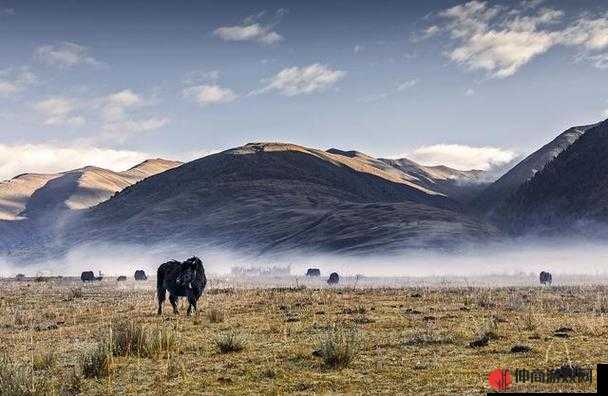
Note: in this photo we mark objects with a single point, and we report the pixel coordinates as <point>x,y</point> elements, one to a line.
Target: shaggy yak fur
<point>186,279</point>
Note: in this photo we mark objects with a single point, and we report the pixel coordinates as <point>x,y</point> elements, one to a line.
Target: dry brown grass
<point>295,338</point>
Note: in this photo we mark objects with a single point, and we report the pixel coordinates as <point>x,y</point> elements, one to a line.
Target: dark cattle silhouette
<point>181,279</point>
<point>20,277</point>
<point>88,276</point>
<point>121,278</point>
<point>313,272</point>
<point>545,278</point>
<point>140,275</point>
<point>333,278</point>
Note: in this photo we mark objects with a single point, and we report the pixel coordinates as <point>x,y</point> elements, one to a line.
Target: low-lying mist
<point>512,258</point>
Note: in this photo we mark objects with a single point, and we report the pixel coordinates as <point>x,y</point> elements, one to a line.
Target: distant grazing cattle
<point>333,278</point>
<point>186,279</point>
<point>88,276</point>
<point>121,278</point>
<point>313,272</point>
<point>20,277</point>
<point>545,278</point>
<point>140,275</point>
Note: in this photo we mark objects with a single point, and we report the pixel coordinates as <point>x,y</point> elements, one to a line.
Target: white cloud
<point>358,48</point>
<point>500,40</point>
<point>305,80</point>
<point>13,81</point>
<point>591,33</point>
<point>462,157</point>
<point>257,28</point>
<point>254,32</point>
<point>469,92</point>
<point>48,158</point>
<point>124,98</point>
<point>116,104</point>
<point>407,85</point>
<point>120,118</point>
<point>428,32</point>
<point>16,159</point>
<point>210,94</point>
<point>65,55</point>
<point>59,112</point>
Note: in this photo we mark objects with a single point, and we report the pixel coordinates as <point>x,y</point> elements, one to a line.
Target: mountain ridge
<point>268,197</point>
<point>80,188</point>
<point>507,184</point>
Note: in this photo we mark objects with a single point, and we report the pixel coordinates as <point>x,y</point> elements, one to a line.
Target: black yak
<point>87,276</point>
<point>185,279</point>
<point>333,278</point>
<point>545,278</point>
<point>313,272</point>
<point>121,278</point>
<point>140,275</point>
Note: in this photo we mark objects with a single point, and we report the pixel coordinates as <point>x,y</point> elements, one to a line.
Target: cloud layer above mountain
<point>462,157</point>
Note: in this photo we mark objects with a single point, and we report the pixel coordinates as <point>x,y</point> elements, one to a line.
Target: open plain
<point>295,335</point>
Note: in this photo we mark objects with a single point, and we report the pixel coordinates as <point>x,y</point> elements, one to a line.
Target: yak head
<point>189,272</point>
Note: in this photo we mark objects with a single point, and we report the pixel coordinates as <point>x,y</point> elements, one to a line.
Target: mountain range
<point>266,198</point>
<point>31,193</point>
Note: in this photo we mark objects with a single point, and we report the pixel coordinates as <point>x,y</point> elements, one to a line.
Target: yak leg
<point>191,303</point>
<point>173,299</point>
<point>161,299</point>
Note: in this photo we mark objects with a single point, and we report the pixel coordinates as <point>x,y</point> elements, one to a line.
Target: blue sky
<point>469,84</point>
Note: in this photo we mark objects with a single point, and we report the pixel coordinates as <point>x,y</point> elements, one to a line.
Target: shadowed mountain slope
<point>505,186</point>
<point>569,195</point>
<point>16,192</point>
<point>266,197</point>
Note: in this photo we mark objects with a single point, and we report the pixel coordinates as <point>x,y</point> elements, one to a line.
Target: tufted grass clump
<point>96,363</point>
<point>338,347</point>
<point>230,342</point>
<point>215,315</point>
<point>132,338</point>
<point>44,361</point>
